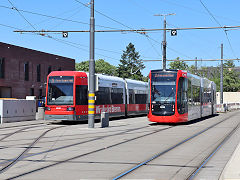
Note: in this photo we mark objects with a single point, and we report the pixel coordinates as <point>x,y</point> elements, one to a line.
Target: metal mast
<point>164,42</point>
<point>91,95</point>
<point>221,76</point>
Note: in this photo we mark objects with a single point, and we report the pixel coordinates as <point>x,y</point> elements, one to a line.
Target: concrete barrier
<point>17,110</point>
<point>104,119</point>
<point>40,114</point>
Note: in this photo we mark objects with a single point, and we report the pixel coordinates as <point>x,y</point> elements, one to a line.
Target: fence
<point>227,107</point>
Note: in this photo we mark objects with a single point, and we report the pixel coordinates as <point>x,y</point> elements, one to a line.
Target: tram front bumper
<point>60,117</point>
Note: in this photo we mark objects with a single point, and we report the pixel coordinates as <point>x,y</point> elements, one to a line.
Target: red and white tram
<point>178,96</point>
<point>67,96</point>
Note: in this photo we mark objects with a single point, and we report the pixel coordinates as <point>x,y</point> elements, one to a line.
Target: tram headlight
<point>47,109</point>
<point>70,109</point>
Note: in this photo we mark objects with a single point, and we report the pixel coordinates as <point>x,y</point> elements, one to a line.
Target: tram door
<point>182,105</point>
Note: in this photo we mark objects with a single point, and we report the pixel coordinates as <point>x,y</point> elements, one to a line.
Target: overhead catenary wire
<point>116,21</point>
<point>136,30</point>
<point>201,60</point>
<point>104,15</point>
<point>223,28</point>
<point>13,7</point>
<point>197,10</point>
<point>142,31</point>
<point>54,17</point>
<point>72,44</point>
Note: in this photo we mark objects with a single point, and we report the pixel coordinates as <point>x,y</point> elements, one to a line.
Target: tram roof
<point>167,70</point>
<point>68,73</point>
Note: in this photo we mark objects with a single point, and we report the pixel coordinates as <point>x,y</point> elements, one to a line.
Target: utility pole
<point>91,94</point>
<point>164,42</point>
<point>221,76</point>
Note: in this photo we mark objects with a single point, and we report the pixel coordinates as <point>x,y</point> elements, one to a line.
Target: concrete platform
<point>232,168</point>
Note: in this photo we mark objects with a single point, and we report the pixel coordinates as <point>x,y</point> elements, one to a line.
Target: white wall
<point>17,110</point>
<point>229,97</point>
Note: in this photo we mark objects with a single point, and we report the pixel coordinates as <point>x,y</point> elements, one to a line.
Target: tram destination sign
<point>156,76</point>
<point>60,79</point>
<point>163,75</point>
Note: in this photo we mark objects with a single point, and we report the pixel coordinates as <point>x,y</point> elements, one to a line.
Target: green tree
<point>101,66</point>
<point>192,69</point>
<point>130,65</point>
<point>178,64</point>
<point>82,66</point>
<point>231,82</point>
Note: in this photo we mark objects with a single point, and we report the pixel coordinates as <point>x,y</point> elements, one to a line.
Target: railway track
<point>123,174</point>
<point>198,168</point>
<point>16,126</point>
<point>90,152</point>
<point>17,131</point>
<point>211,154</point>
<point>20,156</point>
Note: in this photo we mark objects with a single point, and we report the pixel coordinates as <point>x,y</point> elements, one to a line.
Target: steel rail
<point>20,125</point>
<point>88,153</point>
<point>15,132</point>
<point>205,161</point>
<point>19,157</point>
<point>169,149</point>
<point>71,145</point>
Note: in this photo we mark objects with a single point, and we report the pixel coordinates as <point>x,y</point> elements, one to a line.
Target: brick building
<point>23,72</point>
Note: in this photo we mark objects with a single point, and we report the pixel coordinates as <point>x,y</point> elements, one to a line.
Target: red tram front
<point>168,96</point>
<point>67,96</point>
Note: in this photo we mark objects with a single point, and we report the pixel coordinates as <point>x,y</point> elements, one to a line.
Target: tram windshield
<point>163,87</point>
<point>60,90</point>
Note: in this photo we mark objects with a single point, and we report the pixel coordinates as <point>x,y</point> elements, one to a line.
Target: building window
<point>32,92</point>
<point>2,67</point>
<point>38,72</point>
<point>40,94</point>
<point>26,71</point>
<point>49,69</point>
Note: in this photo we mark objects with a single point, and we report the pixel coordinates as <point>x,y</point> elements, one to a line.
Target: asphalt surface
<point>35,150</point>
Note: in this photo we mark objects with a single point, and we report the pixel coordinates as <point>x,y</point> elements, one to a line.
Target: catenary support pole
<point>164,44</point>
<point>91,95</point>
<point>221,76</point>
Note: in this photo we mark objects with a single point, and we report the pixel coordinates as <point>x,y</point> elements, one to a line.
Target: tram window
<point>207,95</point>
<point>131,96</point>
<point>140,98</point>
<point>103,96</point>
<point>81,95</point>
<point>182,96</point>
<point>196,95</point>
<point>117,95</point>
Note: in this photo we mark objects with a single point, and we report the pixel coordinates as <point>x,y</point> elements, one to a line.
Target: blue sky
<point>135,14</point>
